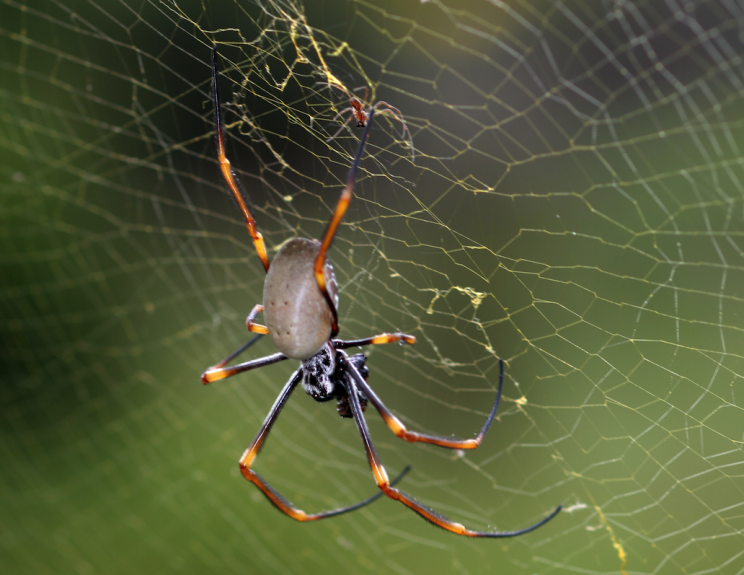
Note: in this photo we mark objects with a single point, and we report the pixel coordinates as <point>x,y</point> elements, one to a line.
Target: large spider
<point>300,303</point>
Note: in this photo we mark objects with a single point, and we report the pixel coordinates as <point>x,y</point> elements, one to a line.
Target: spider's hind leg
<point>387,487</point>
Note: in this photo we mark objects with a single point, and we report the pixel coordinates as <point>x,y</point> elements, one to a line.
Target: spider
<point>358,113</point>
<point>300,306</point>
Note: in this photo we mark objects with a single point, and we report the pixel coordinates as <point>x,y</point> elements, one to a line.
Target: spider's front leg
<point>355,379</point>
<point>230,176</point>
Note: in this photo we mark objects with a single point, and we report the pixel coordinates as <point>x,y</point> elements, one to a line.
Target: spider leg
<point>387,487</point>
<point>341,113</point>
<point>366,92</point>
<point>218,372</point>
<point>342,125</point>
<point>237,352</point>
<point>375,340</point>
<point>396,113</point>
<point>231,177</point>
<point>397,427</point>
<point>272,494</point>
<point>338,214</point>
<point>254,327</point>
<point>215,372</point>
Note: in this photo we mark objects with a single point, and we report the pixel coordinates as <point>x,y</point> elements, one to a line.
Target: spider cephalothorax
<point>324,377</point>
<point>301,313</point>
<point>318,372</point>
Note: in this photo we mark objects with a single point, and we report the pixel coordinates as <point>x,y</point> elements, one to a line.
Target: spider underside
<point>324,378</point>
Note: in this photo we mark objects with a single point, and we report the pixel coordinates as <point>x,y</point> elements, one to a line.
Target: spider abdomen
<point>297,314</point>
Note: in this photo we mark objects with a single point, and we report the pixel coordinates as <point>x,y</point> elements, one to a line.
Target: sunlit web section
<point>573,205</point>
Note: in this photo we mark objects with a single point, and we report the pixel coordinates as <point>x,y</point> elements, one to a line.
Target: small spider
<point>358,113</point>
<point>300,306</point>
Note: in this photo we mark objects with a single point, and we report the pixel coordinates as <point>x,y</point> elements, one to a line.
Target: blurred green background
<point>575,207</point>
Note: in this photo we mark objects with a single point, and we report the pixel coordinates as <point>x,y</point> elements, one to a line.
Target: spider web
<point>575,207</point>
